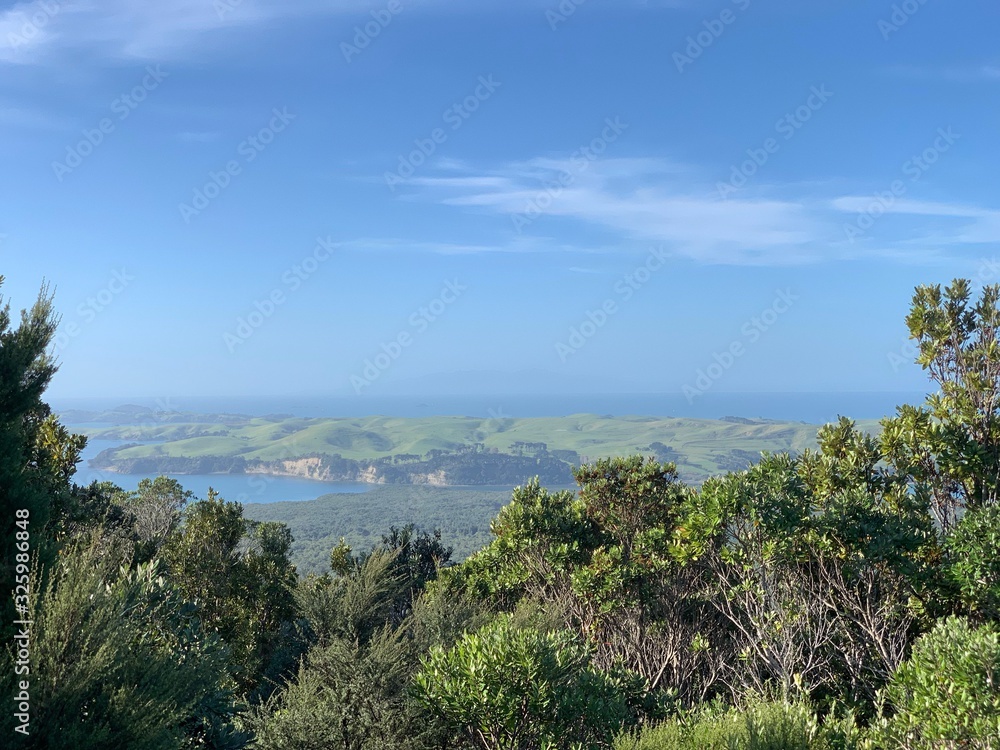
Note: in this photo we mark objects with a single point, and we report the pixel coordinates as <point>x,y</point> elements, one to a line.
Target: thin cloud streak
<point>654,200</point>
<point>129,30</point>
<point>642,200</point>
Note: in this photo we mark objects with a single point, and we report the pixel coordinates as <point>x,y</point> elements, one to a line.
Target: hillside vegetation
<point>699,447</point>
<point>843,598</point>
<point>462,515</point>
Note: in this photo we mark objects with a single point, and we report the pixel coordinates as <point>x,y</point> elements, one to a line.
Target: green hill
<point>700,447</point>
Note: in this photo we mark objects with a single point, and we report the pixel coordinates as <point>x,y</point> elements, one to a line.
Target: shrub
<point>947,695</point>
<point>760,726</point>
<point>345,697</point>
<point>120,661</point>
<point>973,551</point>
<point>510,688</point>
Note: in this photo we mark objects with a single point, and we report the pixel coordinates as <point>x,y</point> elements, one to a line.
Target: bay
<point>243,488</point>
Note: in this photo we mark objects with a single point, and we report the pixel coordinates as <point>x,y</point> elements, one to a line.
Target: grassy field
<point>701,447</point>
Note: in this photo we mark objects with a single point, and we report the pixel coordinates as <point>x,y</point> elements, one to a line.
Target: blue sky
<point>274,197</point>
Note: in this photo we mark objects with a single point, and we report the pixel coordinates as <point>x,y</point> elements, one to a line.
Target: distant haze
<point>814,408</point>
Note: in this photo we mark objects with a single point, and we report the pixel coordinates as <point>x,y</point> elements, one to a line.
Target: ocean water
<point>814,408</point>
<point>239,487</point>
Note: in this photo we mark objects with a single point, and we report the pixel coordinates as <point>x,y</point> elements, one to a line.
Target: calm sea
<point>814,408</point>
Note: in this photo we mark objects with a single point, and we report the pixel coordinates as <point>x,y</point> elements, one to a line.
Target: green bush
<point>510,688</point>
<point>345,697</point>
<point>119,661</point>
<point>973,561</point>
<point>352,688</point>
<point>948,693</point>
<point>760,726</point>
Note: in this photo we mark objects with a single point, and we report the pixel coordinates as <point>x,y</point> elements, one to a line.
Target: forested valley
<point>845,597</point>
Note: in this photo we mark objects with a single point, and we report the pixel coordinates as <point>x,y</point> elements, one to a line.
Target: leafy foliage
<point>346,695</point>
<point>951,447</point>
<point>463,516</point>
<point>758,726</point>
<point>946,694</point>
<point>155,509</point>
<point>415,558</point>
<point>238,574</point>
<point>972,560</point>
<point>36,454</point>
<point>637,612</point>
<point>121,661</point>
<point>508,688</point>
<point>351,690</point>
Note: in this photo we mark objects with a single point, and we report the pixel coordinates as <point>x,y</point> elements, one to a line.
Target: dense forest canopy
<point>844,597</point>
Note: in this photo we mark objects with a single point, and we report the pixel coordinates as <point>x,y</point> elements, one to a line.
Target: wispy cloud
<point>961,225</point>
<point>168,29</point>
<point>643,200</point>
<point>516,244</point>
<point>129,30</point>
<point>911,207</point>
<point>386,244</point>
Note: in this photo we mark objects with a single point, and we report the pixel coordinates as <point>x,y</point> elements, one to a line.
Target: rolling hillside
<point>228,443</point>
